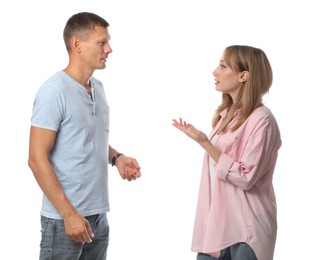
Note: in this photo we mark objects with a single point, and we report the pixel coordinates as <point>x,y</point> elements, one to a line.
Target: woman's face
<point>227,80</point>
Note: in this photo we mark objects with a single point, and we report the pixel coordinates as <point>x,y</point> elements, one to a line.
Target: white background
<point>164,52</point>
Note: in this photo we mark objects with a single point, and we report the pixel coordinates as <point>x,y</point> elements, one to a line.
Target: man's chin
<point>101,67</point>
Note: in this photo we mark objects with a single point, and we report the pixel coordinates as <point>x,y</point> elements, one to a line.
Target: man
<point>69,150</point>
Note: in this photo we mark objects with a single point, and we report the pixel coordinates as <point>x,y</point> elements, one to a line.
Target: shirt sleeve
<point>256,158</point>
<point>48,108</point>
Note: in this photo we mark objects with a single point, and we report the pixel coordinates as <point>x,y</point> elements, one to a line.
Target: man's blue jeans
<point>239,251</point>
<point>56,245</point>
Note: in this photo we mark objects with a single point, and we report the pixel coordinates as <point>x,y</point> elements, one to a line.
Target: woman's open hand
<point>190,130</point>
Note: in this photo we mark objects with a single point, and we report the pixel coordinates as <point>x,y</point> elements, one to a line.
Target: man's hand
<point>78,228</point>
<point>128,168</point>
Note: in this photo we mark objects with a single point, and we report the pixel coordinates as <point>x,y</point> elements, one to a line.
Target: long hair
<point>81,24</point>
<point>253,60</point>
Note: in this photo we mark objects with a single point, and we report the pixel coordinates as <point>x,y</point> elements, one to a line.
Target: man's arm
<point>112,152</point>
<point>41,142</point>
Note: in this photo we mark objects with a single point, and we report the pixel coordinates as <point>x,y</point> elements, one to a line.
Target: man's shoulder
<point>57,77</point>
<point>55,82</point>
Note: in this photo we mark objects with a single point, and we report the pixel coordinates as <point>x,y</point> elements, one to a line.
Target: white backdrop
<point>164,52</point>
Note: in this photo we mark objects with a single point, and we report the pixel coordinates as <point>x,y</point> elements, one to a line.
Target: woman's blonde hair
<point>253,60</point>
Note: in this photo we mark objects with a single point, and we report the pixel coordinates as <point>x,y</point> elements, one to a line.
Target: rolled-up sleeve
<point>253,158</point>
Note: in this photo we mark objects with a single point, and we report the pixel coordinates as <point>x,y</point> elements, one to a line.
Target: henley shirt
<point>79,155</point>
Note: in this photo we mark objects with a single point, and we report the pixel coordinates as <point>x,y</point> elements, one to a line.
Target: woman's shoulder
<point>263,115</point>
<point>262,112</point>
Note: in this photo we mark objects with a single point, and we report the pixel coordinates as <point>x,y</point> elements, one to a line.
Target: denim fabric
<point>56,245</point>
<point>239,251</point>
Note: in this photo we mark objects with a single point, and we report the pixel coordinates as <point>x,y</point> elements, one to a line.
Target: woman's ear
<point>244,75</point>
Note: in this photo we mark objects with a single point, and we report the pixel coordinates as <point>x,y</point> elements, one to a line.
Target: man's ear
<point>75,44</point>
<point>244,75</point>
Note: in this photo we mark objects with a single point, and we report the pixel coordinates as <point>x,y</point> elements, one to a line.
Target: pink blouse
<point>242,207</point>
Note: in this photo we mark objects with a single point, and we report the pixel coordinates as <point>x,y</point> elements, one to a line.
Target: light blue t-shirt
<point>79,156</point>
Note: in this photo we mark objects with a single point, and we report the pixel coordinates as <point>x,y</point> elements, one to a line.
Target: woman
<point>236,209</point>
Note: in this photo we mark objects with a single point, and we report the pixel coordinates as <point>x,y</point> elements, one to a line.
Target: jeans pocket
<point>47,225</point>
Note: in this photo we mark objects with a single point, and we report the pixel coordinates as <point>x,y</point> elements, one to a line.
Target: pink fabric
<point>243,205</point>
